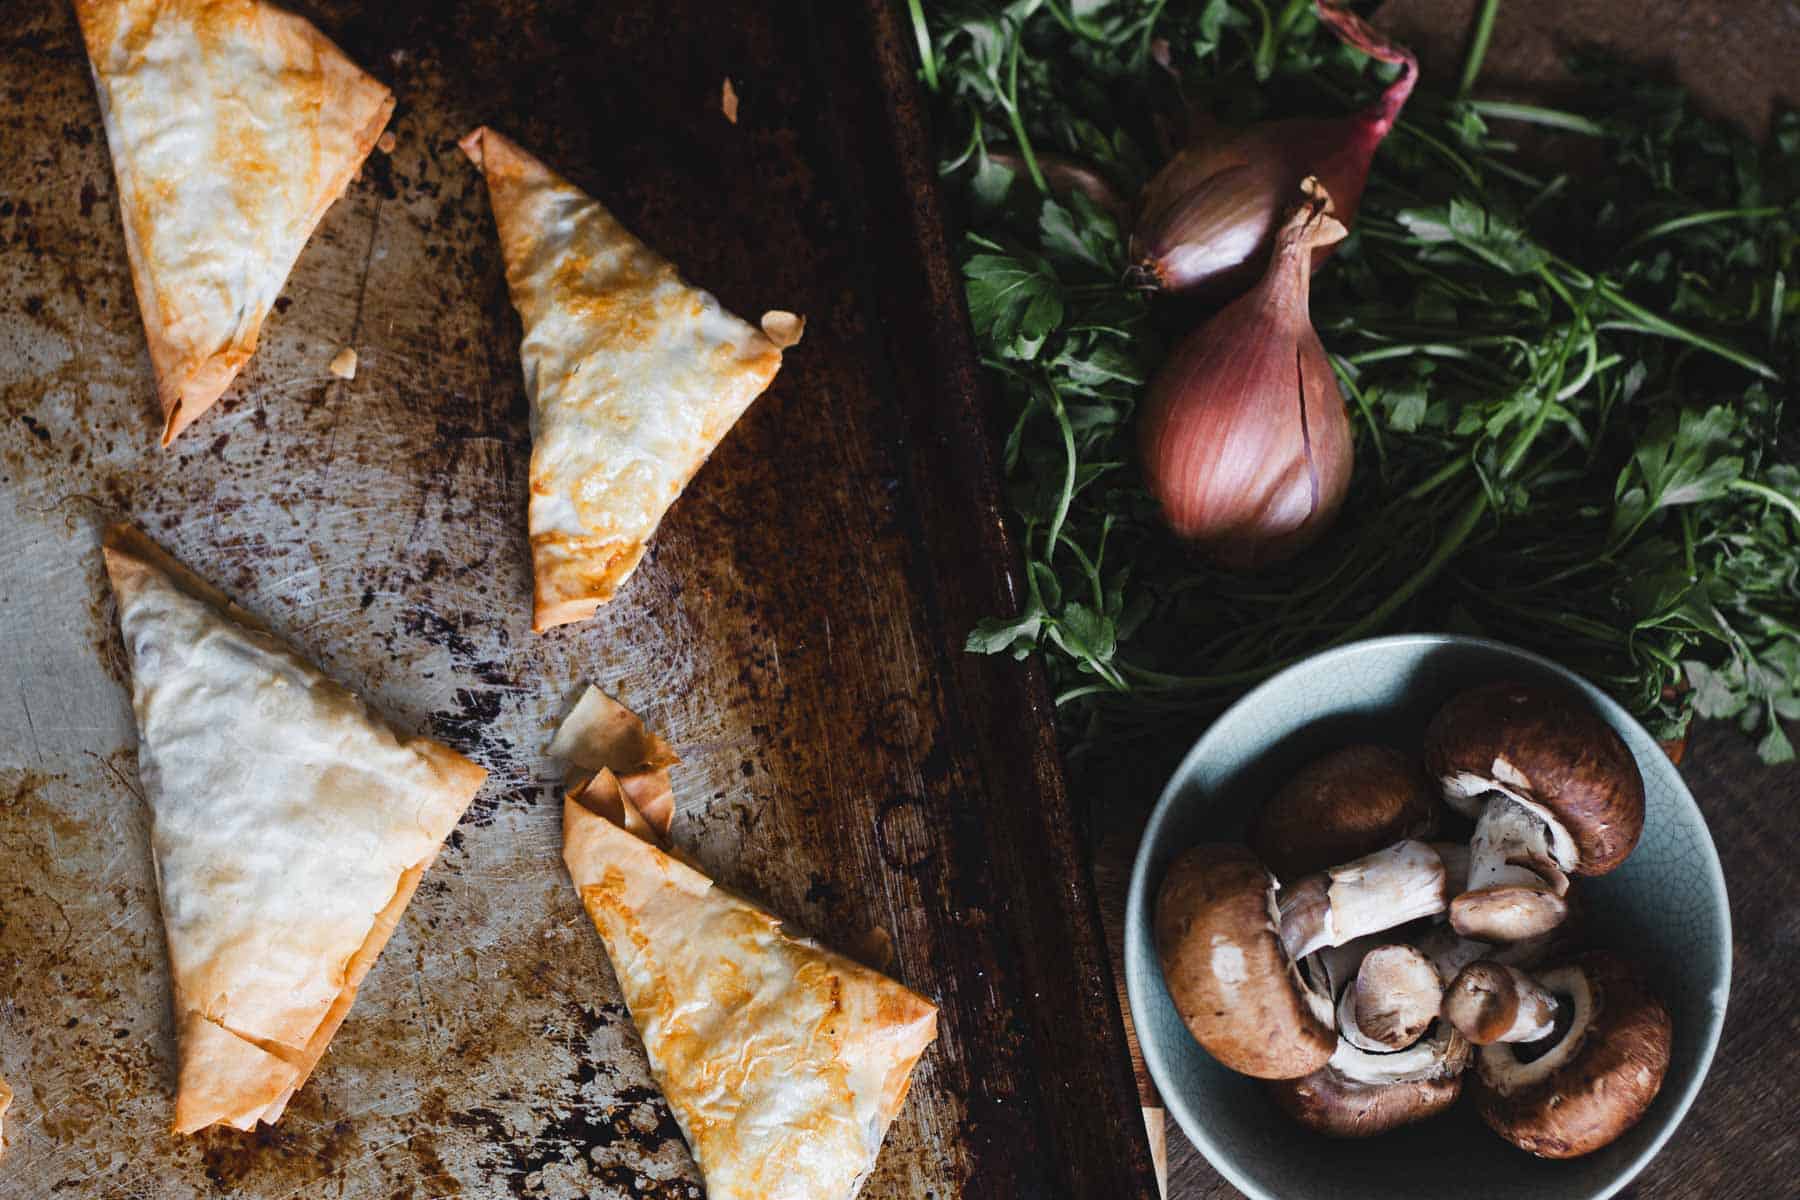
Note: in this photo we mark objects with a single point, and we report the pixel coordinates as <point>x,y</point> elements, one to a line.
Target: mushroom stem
<point>1455,857</point>
<point>1394,999</point>
<point>1449,951</point>
<point>1490,1002</point>
<point>1516,884</point>
<point>1376,892</point>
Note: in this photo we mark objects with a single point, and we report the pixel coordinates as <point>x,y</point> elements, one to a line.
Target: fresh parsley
<point>1568,387</point>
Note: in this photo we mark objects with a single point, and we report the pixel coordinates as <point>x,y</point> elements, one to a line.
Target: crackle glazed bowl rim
<point>1388,680</point>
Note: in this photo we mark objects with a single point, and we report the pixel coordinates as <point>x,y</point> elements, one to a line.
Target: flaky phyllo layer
<point>233,125</point>
<point>783,1062</point>
<point>289,829</point>
<point>634,376</point>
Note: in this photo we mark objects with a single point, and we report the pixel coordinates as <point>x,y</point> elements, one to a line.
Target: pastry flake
<point>289,827</point>
<point>233,126</point>
<point>634,377</point>
<point>783,1062</point>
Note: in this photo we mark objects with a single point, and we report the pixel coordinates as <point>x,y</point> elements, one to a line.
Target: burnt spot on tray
<point>297,1150</point>
<point>612,1144</point>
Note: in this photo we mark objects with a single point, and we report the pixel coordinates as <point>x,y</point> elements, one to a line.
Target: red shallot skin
<point>1208,217</point>
<point>1245,440</point>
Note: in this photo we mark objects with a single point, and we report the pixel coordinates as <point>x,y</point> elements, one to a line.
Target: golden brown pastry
<point>784,1063</point>
<point>634,377</point>
<point>289,827</point>
<point>233,126</point>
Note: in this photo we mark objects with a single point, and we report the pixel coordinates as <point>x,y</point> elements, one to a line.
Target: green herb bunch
<point>1567,386</point>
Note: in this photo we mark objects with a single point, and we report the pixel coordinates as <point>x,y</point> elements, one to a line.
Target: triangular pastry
<point>289,828</point>
<point>783,1062</point>
<point>233,126</point>
<point>634,376</point>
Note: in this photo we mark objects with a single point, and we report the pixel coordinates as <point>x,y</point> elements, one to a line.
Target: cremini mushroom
<point>1554,792</point>
<point>1341,806</point>
<point>1588,1082</point>
<point>1359,1094</point>
<point>1238,991</point>
<point>1490,1002</point>
<point>1394,998</point>
<point>1402,883</point>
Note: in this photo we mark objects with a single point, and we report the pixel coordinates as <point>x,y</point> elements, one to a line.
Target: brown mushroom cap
<point>1605,1080</point>
<point>1548,744</point>
<point>1395,996</point>
<point>1341,806</point>
<point>1331,1103</point>
<point>1235,988</point>
<point>1508,914</point>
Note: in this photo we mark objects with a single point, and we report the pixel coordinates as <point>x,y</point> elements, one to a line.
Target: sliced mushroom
<point>1554,791</point>
<point>1378,891</point>
<point>1577,1090</point>
<point>1236,988</point>
<point>1359,1094</point>
<point>1393,1000</point>
<point>1490,1002</point>
<point>1343,805</point>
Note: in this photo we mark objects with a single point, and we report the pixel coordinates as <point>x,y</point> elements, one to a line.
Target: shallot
<point>1208,217</point>
<point>1245,440</point>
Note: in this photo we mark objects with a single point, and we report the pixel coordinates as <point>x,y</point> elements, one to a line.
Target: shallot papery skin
<point>1245,440</point>
<point>1206,220</point>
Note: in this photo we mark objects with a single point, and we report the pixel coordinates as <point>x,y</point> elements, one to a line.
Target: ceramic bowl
<point>1665,908</point>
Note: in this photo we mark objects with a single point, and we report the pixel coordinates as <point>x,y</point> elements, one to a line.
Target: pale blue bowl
<point>1665,908</point>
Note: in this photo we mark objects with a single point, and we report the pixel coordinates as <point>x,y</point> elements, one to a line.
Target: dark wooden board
<point>796,632</point>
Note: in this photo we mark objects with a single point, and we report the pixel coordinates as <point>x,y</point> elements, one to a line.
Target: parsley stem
<point>1347,380</point>
<point>1516,454</point>
<point>1644,321</point>
<point>1013,115</point>
<point>1450,157</point>
<point>922,32</point>
<point>1531,114</point>
<point>1091,689</point>
<point>1703,218</point>
<point>1478,45</point>
<point>1436,479</point>
<point>1068,485</point>
<point>1458,533</point>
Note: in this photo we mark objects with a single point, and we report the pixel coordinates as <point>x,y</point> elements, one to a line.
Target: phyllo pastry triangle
<point>233,126</point>
<point>289,828</point>
<point>633,374</point>
<point>783,1062</point>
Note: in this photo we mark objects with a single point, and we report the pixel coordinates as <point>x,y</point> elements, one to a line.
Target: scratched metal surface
<point>789,632</point>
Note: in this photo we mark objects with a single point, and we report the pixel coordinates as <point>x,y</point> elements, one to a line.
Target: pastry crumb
<point>344,365</point>
<point>728,102</point>
<point>783,328</point>
<point>386,142</point>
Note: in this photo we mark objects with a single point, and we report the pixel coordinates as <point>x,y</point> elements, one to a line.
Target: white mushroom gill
<point>1513,830</point>
<point>1424,1059</point>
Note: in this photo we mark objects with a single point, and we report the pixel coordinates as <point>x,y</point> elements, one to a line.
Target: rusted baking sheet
<point>794,632</point>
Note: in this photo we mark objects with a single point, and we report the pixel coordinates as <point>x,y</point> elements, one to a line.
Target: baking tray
<point>795,630</point>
